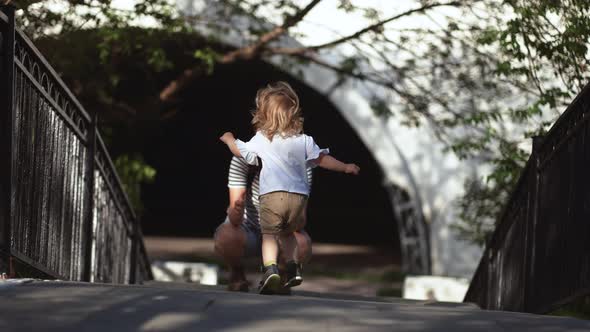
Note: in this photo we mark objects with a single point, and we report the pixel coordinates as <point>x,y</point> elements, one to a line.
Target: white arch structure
<point>410,158</point>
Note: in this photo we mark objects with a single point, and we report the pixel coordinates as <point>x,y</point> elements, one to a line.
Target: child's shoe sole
<point>294,282</point>
<point>271,284</point>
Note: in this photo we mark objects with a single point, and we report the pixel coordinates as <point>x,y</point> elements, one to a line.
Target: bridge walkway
<point>35,305</point>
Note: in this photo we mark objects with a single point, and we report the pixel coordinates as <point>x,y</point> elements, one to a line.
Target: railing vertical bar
<point>34,249</point>
<point>78,219</point>
<point>490,295</point>
<point>17,174</point>
<point>62,207</point>
<point>89,215</point>
<point>23,163</point>
<point>530,229</point>
<point>7,119</point>
<point>134,251</point>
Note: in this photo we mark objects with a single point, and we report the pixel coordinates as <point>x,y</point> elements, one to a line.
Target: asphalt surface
<point>33,305</point>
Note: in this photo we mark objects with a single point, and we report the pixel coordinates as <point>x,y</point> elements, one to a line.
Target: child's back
<point>284,161</point>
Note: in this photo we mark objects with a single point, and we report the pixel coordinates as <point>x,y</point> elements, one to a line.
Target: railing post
<point>490,295</point>
<point>134,251</point>
<point>7,117</point>
<point>89,215</point>
<point>532,215</point>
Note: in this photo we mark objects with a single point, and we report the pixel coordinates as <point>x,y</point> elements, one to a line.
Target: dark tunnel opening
<point>189,194</point>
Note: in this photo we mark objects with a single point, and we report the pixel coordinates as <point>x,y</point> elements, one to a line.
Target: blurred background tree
<point>540,52</point>
<point>482,75</point>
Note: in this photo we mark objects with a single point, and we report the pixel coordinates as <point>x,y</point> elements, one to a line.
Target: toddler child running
<point>285,153</point>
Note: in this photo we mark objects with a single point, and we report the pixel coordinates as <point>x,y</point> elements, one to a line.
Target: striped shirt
<point>240,175</point>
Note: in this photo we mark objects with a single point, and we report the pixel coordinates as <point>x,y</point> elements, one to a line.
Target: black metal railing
<point>414,234</point>
<point>63,210</point>
<point>539,255</point>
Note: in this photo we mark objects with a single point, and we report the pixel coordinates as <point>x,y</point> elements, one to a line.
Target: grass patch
<point>389,292</point>
<point>579,308</point>
<point>340,275</point>
<point>387,276</point>
<point>393,276</point>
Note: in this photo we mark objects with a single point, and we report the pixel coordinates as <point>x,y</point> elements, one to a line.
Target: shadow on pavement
<point>69,306</point>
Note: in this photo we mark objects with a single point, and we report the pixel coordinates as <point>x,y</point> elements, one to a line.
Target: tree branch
<point>167,94</point>
<point>292,20</point>
<point>379,24</point>
<point>253,50</point>
<point>360,76</point>
<point>247,52</point>
<point>356,35</point>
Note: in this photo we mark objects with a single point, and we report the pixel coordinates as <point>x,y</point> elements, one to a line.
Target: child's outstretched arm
<point>229,139</point>
<point>330,163</point>
<point>239,148</point>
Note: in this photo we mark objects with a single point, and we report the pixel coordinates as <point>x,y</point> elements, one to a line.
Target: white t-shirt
<point>284,161</point>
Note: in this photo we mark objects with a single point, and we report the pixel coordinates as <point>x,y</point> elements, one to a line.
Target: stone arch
<point>343,209</point>
<point>421,179</point>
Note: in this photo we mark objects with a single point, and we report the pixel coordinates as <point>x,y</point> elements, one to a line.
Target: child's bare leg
<point>303,250</point>
<point>270,279</point>
<point>288,247</point>
<point>270,249</point>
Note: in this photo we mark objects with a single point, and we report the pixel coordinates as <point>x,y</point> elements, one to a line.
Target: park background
<point>477,80</point>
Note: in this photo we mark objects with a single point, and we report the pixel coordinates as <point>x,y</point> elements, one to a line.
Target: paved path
<point>334,268</point>
<point>69,306</point>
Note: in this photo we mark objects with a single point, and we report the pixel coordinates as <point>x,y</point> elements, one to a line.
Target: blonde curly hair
<point>277,111</point>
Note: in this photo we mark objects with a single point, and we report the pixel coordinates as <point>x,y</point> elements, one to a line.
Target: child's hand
<point>352,169</point>
<point>227,137</point>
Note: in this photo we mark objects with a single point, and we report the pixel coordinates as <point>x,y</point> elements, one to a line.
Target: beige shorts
<point>282,212</point>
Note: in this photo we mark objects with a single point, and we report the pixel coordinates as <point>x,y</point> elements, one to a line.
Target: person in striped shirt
<point>239,235</point>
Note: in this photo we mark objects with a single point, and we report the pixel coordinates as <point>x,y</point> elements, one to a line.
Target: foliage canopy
<point>482,75</point>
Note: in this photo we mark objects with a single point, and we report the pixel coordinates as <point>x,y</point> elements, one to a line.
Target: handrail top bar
<point>118,202</point>
<point>3,16</point>
<point>102,146</point>
<point>46,64</point>
<point>569,109</point>
<point>144,252</point>
<point>55,75</point>
<point>520,182</point>
<point>61,112</point>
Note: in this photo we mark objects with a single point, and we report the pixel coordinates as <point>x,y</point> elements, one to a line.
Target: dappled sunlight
<point>170,321</point>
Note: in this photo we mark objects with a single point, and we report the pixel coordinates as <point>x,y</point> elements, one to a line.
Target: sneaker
<point>271,280</point>
<point>293,277</point>
<point>282,290</point>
